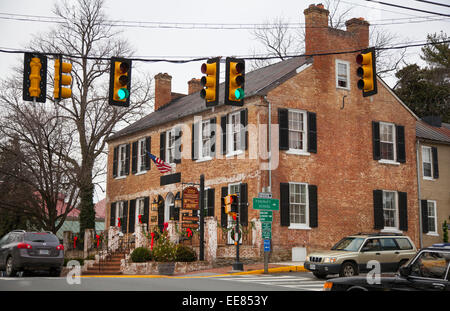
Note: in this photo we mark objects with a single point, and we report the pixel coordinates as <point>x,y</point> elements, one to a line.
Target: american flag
<point>162,166</point>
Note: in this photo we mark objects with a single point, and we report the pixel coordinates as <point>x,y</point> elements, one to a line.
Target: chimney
<point>316,22</point>
<point>360,30</point>
<point>194,85</point>
<point>163,90</point>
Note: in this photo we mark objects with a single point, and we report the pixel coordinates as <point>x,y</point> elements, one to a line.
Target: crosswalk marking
<point>294,282</point>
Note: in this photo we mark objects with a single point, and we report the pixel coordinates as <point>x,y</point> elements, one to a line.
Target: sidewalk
<point>257,268</point>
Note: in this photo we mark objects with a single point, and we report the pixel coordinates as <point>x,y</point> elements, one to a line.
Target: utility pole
<point>202,218</point>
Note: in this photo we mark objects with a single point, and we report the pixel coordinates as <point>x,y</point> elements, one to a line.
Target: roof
<point>429,132</point>
<point>258,83</point>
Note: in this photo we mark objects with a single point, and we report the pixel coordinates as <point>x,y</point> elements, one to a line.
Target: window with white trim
<point>122,155</point>
<point>387,141</point>
<point>205,150</point>
<point>119,212</point>
<point>234,139</point>
<point>139,209</point>
<point>141,156</point>
<point>232,189</point>
<point>427,162</point>
<point>170,143</point>
<point>432,219</point>
<point>297,130</point>
<point>298,204</point>
<point>342,74</point>
<point>390,210</point>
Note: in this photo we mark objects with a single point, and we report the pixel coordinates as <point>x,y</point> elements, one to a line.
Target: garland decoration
<point>75,242</point>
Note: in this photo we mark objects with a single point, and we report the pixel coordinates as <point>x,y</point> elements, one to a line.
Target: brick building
<point>340,163</point>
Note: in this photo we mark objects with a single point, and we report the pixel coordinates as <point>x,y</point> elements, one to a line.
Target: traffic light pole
<point>237,266</point>
<point>202,218</point>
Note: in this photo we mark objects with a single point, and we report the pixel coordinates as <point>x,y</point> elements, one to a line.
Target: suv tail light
<point>60,247</point>
<point>24,245</point>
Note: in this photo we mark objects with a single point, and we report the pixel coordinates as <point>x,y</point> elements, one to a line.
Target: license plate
<point>312,267</point>
<point>43,252</point>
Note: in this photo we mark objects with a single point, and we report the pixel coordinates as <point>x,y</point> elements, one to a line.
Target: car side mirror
<point>405,271</point>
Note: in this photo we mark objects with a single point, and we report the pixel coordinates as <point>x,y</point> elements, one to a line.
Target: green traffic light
<point>123,93</point>
<point>239,93</point>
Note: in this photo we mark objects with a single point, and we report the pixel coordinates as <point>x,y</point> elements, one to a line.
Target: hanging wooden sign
<point>191,198</point>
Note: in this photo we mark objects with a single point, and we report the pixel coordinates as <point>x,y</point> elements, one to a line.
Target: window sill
<point>432,234</point>
<point>342,88</point>
<point>299,227</point>
<point>234,153</point>
<point>140,173</point>
<point>298,152</point>
<point>428,178</point>
<point>390,162</point>
<point>121,177</point>
<point>203,159</point>
<point>391,230</point>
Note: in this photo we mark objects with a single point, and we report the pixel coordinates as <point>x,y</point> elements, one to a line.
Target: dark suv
<point>29,251</point>
<point>427,271</point>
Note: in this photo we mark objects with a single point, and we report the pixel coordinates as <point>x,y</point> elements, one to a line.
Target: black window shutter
<point>313,206</point>
<point>434,155</point>
<point>112,215</point>
<point>424,210</point>
<point>148,148</point>
<point>195,142</point>
<point>124,221</point>
<point>223,215</point>
<point>127,160</point>
<point>312,132</point>
<point>145,217</point>
<point>244,132</point>
<point>132,220</point>
<point>378,209</point>
<point>403,211</point>
<point>115,154</point>
<point>223,125</point>
<point>283,123</point>
<point>162,146</point>
<point>211,197</point>
<point>213,127</point>
<point>243,195</point>
<point>284,204</point>
<point>401,151</point>
<point>134,153</point>
<point>376,140</point>
<point>178,134</point>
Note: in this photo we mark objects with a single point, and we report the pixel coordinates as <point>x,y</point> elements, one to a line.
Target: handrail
<point>122,245</point>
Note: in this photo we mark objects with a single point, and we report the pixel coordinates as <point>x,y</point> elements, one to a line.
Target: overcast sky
<point>186,43</point>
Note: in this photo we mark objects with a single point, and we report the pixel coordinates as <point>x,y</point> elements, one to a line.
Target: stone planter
<point>166,268</point>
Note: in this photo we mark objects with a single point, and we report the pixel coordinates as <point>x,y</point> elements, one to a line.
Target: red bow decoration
<point>234,216</point>
<point>75,242</point>
<point>166,224</point>
<point>151,244</point>
<point>140,219</point>
<point>98,240</point>
<point>189,232</point>
<point>119,224</point>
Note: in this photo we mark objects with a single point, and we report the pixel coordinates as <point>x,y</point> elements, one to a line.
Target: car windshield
<point>40,237</point>
<point>348,244</point>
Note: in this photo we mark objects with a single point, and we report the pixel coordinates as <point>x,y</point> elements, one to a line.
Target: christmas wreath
<point>233,234</point>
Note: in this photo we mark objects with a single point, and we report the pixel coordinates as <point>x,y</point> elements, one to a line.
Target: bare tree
<point>86,38</point>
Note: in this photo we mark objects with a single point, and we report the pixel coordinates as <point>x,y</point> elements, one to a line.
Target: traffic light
<point>367,72</point>
<point>35,77</point>
<point>119,82</point>
<point>62,79</point>
<point>234,81</point>
<point>210,82</point>
<point>231,203</point>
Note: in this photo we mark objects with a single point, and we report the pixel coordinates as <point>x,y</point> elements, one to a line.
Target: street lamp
<point>154,205</point>
<point>178,201</point>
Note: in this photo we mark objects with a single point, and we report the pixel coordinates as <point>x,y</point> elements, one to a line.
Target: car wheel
<point>348,269</point>
<point>10,269</point>
<point>320,275</point>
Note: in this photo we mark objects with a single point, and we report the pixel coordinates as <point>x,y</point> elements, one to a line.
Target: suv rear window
<point>40,237</point>
<point>403,243</point>
<point>388,244</point>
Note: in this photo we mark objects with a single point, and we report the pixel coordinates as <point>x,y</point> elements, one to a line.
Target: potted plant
<point>164,253</point>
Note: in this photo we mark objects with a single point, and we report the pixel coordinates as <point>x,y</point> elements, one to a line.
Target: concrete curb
<point>273,270</point>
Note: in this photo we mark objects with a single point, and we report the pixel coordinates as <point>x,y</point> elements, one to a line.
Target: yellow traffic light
<point>35,77</point>
<point>62,79</point>
<point>120,81</point>
<point>231,203</point>
<point>367,72</point>
<point>210,81</point>
<point>234,81</point>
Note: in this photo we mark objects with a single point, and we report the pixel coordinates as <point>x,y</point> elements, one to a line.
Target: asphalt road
<point>293,281</point>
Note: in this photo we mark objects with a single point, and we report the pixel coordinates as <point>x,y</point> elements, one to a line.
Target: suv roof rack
<point>379,233</point>
<point>23,231</point>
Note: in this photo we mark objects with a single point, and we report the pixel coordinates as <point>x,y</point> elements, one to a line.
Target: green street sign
<point>266,230</point>
<point>266,204</point>
<point>266,216</point>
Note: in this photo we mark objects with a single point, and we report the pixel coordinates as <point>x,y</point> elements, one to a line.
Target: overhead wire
<point>408,8</point>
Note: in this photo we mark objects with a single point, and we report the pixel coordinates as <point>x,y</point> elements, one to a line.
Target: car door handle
<point>396,253</point>
<point>377,253</point>
<point>438,286</point>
